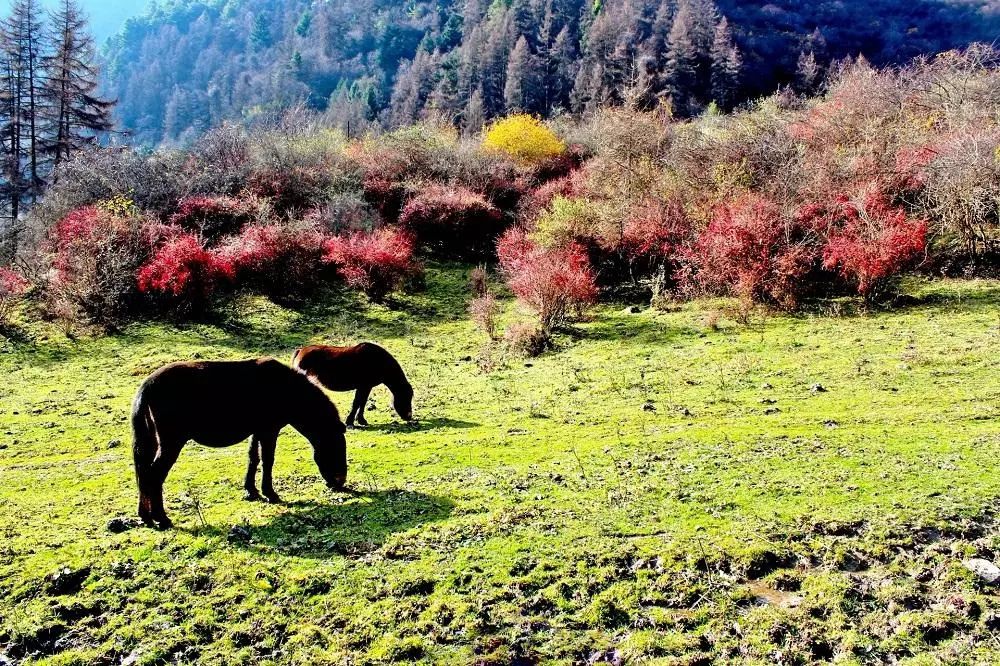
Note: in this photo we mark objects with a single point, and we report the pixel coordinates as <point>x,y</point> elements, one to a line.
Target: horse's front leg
<point>267,446</point>
<point>250,484</point>
<point>360,402</point>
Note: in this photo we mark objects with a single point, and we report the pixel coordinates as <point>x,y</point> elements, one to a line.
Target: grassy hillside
<point>666,486</point>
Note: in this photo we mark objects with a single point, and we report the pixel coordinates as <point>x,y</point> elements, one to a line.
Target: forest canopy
<point>188,65</point>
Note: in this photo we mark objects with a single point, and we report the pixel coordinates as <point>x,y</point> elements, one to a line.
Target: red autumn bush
<point>184,274</point>
<point>281,261</point>
<point>95,254</point>
<point>653,234</point>
<point>289,190</point>
<point>553,282</point>
<point>213,217</point>
<point>752,250</point>
<point>571,186</point>
<point>386,196</point>
<point>376,263</point>
<point>872,242</point>
<point>12,288</point>
<point>453,222</point>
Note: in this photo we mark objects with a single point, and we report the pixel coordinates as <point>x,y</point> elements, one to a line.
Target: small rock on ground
<point>984,569</point>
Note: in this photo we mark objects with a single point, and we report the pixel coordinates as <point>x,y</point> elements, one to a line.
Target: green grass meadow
<point>661,488</point>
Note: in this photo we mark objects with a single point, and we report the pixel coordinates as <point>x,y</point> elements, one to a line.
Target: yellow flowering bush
<point>524,138</point>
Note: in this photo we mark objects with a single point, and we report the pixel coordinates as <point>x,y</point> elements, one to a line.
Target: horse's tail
<point>297,358</point>
<point>145,444</point>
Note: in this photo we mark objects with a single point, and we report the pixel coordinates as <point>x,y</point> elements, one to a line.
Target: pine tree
<point>413,86</point>
<point>305,23</point>
<point>562,65</point>
<point>726,66</point>
<point>21,35</point>
<point>656,45</point>
<point>493,63</point>
<point>519,90</point>
<point>474,117</point>
<point>807,73</point>
<point>260,33</point>
<point>683,58</point>
<point>75,115</point>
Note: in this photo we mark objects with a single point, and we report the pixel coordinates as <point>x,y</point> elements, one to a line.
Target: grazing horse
<point>360,368</point>
<point>222,403</point>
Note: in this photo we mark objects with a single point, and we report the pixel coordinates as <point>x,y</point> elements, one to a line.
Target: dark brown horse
<point>360,368</point>
<point>222,403</point>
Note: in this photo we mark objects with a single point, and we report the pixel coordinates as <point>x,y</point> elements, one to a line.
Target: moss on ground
<point>654,491</point>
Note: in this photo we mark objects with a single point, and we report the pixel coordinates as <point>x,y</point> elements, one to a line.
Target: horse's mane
<point>315,391</point>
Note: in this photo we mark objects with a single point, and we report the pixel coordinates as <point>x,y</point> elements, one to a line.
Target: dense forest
<point>187,65</point>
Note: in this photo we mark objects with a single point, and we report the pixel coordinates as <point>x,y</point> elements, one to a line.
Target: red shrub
<point>283,262</point>
<point>96,254</point>
<point>376,263</point>
<point>384,172</point>
<point>212,217</point>
<point>552,282</point>
<point>653,233</point>
<point>560,166</point>
<point>453,222</point>
<point>872,242</point>
<point>12,287</point>
<point>385,195</point>
<point>571,186</point>
<point>911,166</point>
<point>289,190</point>
<point>752,250</point>
<point>184,273</point>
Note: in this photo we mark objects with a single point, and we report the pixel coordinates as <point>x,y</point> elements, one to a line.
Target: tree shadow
<point>421,425</point>
<point>634,328</point>
<point>16,335</point>
<point>358,525</point>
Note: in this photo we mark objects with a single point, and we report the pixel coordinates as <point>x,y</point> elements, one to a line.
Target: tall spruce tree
<point>726,65</point>
<point>75,115</point>
<point>519,90</point>
<point>21,40</point>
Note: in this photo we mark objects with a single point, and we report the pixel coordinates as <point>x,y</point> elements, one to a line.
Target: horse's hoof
<point>251,496</point>
<point>272,498</point>
<point>165,524</point>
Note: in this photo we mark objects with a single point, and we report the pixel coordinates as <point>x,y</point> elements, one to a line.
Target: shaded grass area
<point>801,490</point>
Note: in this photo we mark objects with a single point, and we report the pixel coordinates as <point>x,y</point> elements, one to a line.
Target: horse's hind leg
<point>144,447</point>
<point>267,446</point>
<point>169,451</point>
<point>358,409</point>
<point>250,484</point>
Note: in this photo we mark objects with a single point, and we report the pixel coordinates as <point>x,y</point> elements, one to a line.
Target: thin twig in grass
<point>196,505</point>
<point>583,470</point>
<point>704,556</point>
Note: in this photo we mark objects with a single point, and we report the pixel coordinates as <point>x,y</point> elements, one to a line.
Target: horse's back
<point>217,403</point>
<point>345,368</point>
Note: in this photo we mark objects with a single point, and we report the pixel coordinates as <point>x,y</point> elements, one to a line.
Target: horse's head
<point>402,402</point>
<point>330,454</point>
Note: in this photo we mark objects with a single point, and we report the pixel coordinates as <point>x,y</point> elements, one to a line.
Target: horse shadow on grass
<point>420,425</point>
<point>358,524</point>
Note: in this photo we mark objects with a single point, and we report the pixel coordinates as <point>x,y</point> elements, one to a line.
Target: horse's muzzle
<point>338,482</point>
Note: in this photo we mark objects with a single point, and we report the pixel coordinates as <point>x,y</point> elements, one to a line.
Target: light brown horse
<point>222,403</point>
<point>360,368</point>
